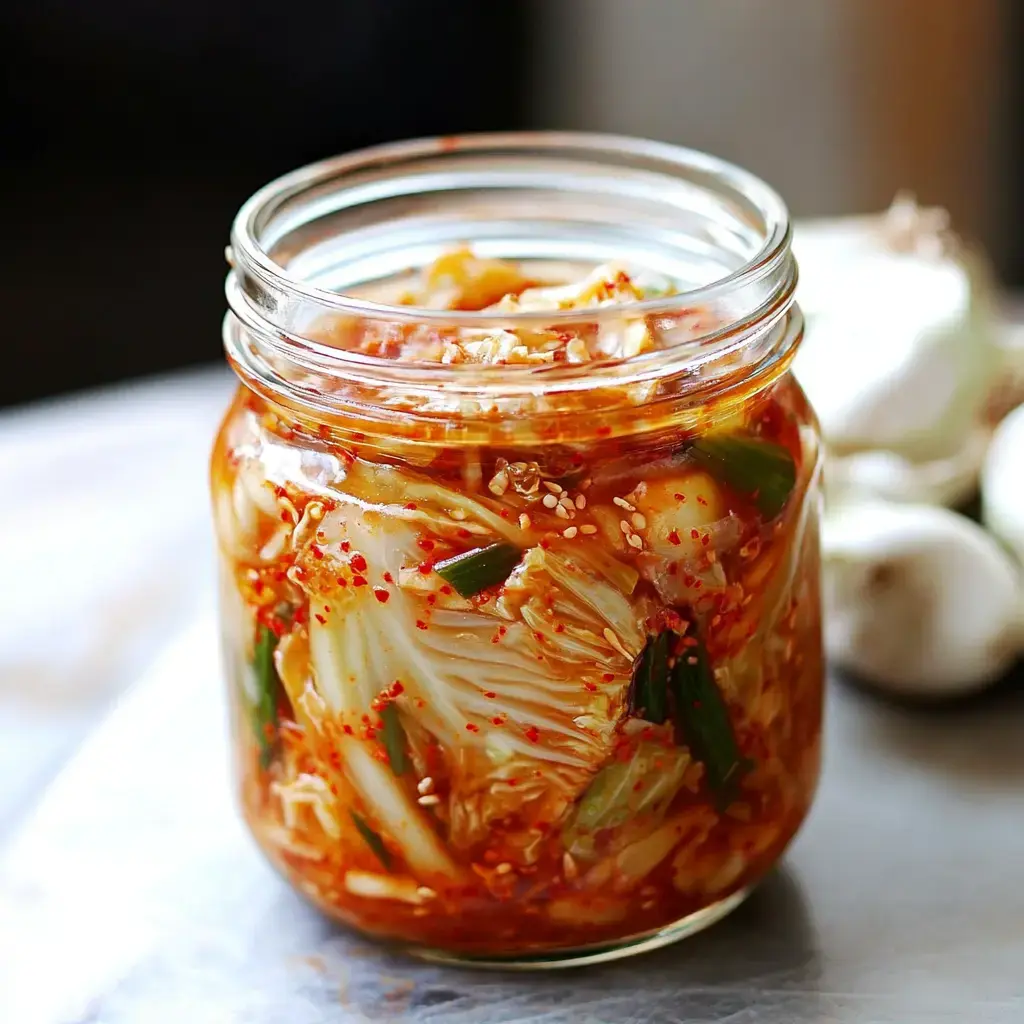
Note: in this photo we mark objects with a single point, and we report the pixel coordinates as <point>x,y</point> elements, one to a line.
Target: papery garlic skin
<point>899,354</point>
<point>919,600</point>
<point>1002,484</point>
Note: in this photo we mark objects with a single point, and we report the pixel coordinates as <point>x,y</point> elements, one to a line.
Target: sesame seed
<point>429,800</point>
<point>615,642</point>
<point>561,512</point>
<point>569,532</point>
<point>553,487</point>
<point>457,514</point>
<point>648,904</point>
<point>622,503</point>
<point>639,521</point>
<point>588,529</point>
<point>569,868</point>
<point>549,501</point>
<point>625,527</point>
<point>503,868</point>
<point>634,541</point>
<point>581,501</point>
<point>425,785</point>
<point>566,502</point>
<point>499,483</point>
<point>524,521</point>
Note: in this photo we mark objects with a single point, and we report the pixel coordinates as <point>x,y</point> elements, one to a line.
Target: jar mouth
<point>303,242</point>
<point>277,242</point>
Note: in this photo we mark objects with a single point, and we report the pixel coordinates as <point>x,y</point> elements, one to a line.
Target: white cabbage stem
<point>919,600</point>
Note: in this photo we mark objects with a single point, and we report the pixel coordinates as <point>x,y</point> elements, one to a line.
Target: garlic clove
<point>888,476</point>
<point>1002,483</point>
<point>919,600</point>
<point>899,353</point>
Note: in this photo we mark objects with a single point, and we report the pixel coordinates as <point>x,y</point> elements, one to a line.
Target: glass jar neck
<point>303,245</point>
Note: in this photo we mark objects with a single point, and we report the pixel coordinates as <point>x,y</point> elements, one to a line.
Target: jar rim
<point>249,256</point>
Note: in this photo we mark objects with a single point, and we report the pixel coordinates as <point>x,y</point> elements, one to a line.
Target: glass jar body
<point>596,738</point>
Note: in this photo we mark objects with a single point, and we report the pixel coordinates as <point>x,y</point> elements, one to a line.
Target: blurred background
<point>132,132</point>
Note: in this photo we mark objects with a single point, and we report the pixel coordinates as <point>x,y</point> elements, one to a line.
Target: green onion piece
<point>648,695</point>
<point>372,840</point>
<point>703,720</point>
<point>473,571</point>
<point>394,739</point>
<point>762,470</point>
<point>268,689</point>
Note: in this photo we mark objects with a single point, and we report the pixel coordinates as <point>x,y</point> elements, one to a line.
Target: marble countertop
<point>105,545</point>
<point>129,891</point>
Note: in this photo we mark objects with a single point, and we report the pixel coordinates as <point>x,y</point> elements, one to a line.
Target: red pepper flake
<point>545,543</point>
<point>638,785</point>
<point>560,628</point>
<point>472,727</point>
<point>446,590</point>
<point>358,562</point>
<point>319,618</point>
<point>317,551</point>
<point>358,581</point>
<point>592,687</point>
<point>679,497</point>
<point>695,534</point>
<point>424,544</point>
<point>301,615</point>
<point>503,513</point>
<point>381,594</point>
<point>497,720</point>
<point>532,734</point>
<point>345,546</point>
<point>431,598</point>
<point>425,568</point>
<point>515,782</point>
<point>410,505</point>
<point>603,431</point>
<point>701,500</point>
<point>673,568</point>
<point>280,576</point>
<point>341,581</point>
<point>285,518</point>
<point>463,533</point>
<point>420,624</point>
<point>705,540</point>
<point>673,536</point>
<point>608,677</point>
<point>490,693</point>
<point>388,578</point>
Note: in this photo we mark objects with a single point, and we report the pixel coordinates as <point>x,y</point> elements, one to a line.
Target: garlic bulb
<point>1002,483</point>
<point>918,600</point>
<point>899,353</point>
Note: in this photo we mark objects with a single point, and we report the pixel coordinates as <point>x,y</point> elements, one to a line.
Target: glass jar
<point>520,574</point>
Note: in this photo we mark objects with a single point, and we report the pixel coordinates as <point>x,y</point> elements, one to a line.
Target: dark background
<point>132,130</point>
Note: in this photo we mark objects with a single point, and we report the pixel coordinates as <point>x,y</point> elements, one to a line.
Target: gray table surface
<point>132,893</point>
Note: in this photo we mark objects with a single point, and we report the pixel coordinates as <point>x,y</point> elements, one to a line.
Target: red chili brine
<point>517,510</point>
